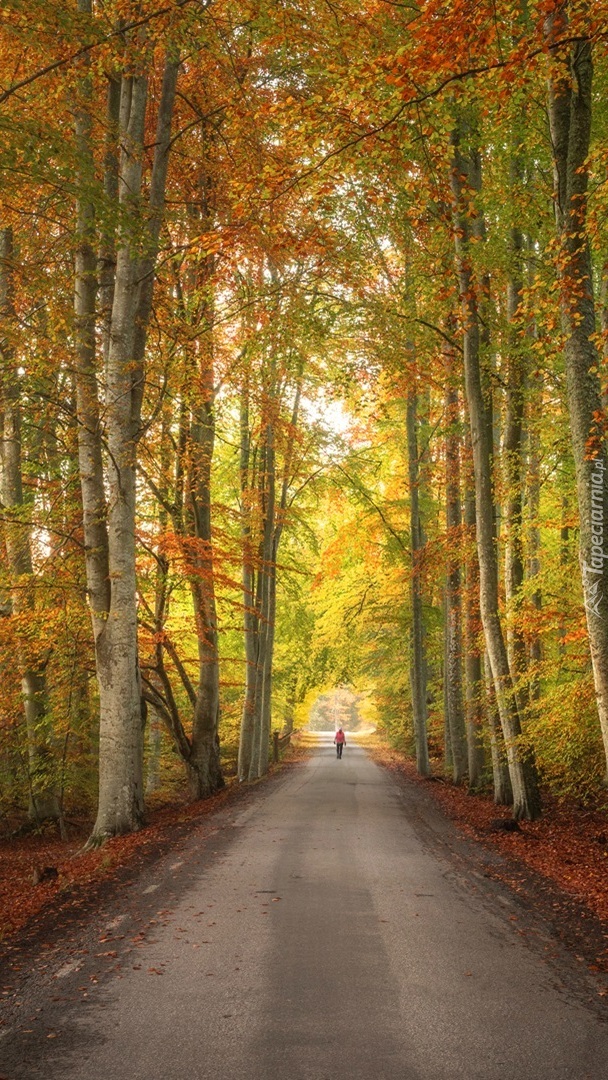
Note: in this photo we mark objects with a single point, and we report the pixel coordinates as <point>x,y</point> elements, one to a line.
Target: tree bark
<point>107,245</point>
<point>120,806</point>
<point>259,484</point>
<point>43,791</point>
<point>448,762</point>
<point>277,508</point>
<point>417,653</point>
<point>513,462</point>
<point>120,737</point>
<point>154,750</point>
<point>520,757</point>
<point>534,564</point>
<point>453,629</point>
<point>474,696</point>
<point>249,588</point>
<point>269,569</point>
<point>570,106</point>
<point>204,763</point>
<point>90,432</point>
<point>266,592</point>
<point>503,791</point>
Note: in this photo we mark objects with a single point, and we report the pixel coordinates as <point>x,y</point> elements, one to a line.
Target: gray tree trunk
<point>520,757</point>
<point>90,432</point>
<point>447,738</point>
<point>570,105</point>
<point>513,460</point>
<point>107,245</point>
<point>43,789</point>
<point>532,502</point>
<point>266,591</point>
<point>473,631</point>
<point>274,512</point>
<point>259,573</point>
<point>417,654</point>
<point>249,586</point>
<point>534,565</point>
<point>453,628</point>
<point>204,763</point>
<point>154,750</point>
<point>120,806</point>
<point>565,560</point>
<point>503,791</point>
<point>258,671</point>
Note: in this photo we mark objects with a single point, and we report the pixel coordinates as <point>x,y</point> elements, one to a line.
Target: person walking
<point>340,742</point>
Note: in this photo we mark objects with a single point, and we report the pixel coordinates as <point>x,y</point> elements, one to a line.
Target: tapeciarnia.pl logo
<point>593,571</point>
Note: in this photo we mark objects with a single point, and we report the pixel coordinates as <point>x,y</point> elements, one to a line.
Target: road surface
<point>323,933</point>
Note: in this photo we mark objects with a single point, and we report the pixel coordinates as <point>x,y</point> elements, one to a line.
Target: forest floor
<point>560,862</point>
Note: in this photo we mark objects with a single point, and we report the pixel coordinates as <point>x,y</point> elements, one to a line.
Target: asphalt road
<point>323,933</point>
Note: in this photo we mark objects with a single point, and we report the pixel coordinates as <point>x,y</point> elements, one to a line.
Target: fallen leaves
<point>80,873</point>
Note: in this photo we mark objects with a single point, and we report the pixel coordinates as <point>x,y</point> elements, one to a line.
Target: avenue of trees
<point>303,330</point>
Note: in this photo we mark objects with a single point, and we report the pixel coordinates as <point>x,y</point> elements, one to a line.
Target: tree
<point>521,762</point>
<point>570,109</point>
<point>453,618</point>
<point>44,801</point>
<point>109,487</point>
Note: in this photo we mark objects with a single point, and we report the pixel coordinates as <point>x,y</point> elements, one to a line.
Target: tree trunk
<point>190,506</point>
<point>266,592</point>
<point>417,655</point>
<point>448,762</point>
<point>473,632</point>
<point>565,562</point>
<point>204,763</point>
<point>278,513</point>
<point>107,246</point>
<point>570,104</point>
<point>453,629</point>
<point>533,501</point>
<point>512,456</point>
<point>260,577</point>
<point>120,737</point>
<point>275,512</point>
<point>120,807</point>
<point>158,689</point>
<point>250,621</point>
<point>291,700</point>
<point>503,791</point>
<point>87,393</point>
<point>520,757</point>
<point>154,750</point>
<point>258,671</point>
<point>44,801</point>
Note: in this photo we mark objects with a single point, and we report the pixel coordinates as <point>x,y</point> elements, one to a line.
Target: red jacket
<point>340,736</point>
